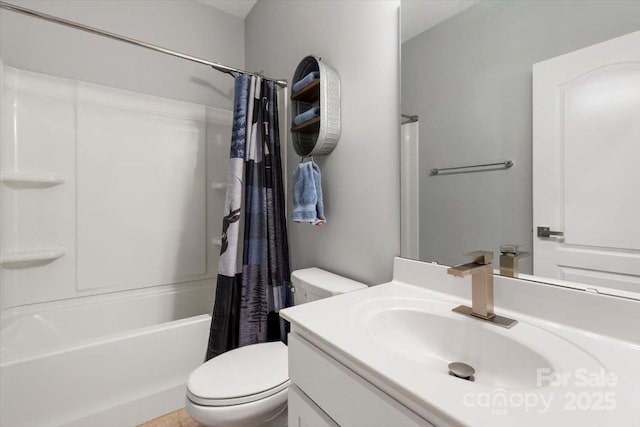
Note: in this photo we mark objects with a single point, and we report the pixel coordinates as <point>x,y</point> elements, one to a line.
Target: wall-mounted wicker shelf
<point>318,135</point>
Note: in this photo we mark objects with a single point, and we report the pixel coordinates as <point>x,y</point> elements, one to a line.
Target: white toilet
<point>247,387</point>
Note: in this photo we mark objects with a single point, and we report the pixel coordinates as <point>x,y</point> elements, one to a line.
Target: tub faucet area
<point>481,271</point>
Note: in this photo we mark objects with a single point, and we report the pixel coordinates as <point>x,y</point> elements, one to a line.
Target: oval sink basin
<point>427,333</point>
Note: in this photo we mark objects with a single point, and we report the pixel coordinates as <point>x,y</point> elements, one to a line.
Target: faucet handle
<point>480,257</point>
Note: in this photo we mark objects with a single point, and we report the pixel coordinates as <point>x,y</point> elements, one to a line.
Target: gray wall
<point>469,80</point>
<point>186,26</point>
<point>361,177</point>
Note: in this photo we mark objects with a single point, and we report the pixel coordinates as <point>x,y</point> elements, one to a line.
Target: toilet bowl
<point>247,386</point>
<point>241,388</point>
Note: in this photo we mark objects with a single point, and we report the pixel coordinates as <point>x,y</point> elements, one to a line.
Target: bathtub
<point>109,360</point>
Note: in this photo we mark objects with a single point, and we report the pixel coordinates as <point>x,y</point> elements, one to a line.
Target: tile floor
<point>178,418</point>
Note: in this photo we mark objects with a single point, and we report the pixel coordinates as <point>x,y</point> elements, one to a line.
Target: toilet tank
<point>312,284</point>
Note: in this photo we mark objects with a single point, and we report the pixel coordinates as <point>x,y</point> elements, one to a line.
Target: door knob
<point>547,232</point>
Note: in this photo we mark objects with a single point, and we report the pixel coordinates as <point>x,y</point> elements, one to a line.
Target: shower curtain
<point>249,298</point>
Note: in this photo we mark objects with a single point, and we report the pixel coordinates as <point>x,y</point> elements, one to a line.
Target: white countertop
<point>335,326</point>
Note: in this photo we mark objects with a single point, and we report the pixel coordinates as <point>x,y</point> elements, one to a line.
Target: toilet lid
<point>242,375</point>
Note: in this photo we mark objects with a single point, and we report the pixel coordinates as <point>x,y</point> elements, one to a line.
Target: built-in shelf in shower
<point>27,258</point>
<point>217,242</point>
<point>19,179</point>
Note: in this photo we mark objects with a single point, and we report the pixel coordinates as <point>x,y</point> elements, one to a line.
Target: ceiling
<point>239,8</point>
<point>419,15</point>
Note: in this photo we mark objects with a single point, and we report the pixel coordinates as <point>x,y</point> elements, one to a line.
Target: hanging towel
<point>311,113</point>
<point>308,205</point>
<point>305,81</point>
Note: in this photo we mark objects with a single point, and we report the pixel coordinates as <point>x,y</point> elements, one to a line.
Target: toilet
<point>247,386</point>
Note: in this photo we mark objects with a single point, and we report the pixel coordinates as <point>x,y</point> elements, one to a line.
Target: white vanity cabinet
<point>325,393</point>
<point>379,357</point>
<point>304,413</point>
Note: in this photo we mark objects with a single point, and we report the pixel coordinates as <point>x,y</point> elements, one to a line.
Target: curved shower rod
<point>223,68</point>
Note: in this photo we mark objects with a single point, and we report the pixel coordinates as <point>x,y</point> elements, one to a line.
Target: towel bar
<point>507,164</point>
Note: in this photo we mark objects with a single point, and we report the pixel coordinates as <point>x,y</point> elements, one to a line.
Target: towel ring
<point>306,157</point>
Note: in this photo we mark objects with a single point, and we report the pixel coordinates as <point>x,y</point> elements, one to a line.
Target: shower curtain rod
<point>223,68</point>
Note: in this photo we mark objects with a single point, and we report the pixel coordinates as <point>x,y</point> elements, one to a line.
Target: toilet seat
<point>240,376</point>
<point>206,401</point>
<point>267,412</point>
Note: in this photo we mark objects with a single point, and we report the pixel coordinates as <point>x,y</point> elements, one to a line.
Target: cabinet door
<point>348,398</point>
<point>304,413</point>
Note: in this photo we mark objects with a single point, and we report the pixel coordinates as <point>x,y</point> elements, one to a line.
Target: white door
<point>586,165</point>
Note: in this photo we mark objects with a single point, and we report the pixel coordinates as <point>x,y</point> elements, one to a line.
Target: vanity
<point>380,356</point>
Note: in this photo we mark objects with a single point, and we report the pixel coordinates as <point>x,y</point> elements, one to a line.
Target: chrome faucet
<point>481,271</point>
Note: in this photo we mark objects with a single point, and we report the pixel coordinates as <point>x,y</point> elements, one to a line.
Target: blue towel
<point>308,205</point>
<point>311,113</point>
<point>305,81</point>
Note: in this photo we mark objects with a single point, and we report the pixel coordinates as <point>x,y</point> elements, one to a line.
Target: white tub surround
<point>111,211</point>
<point>108,360</point>
<point>105,190</point>
<point>398,338</point>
